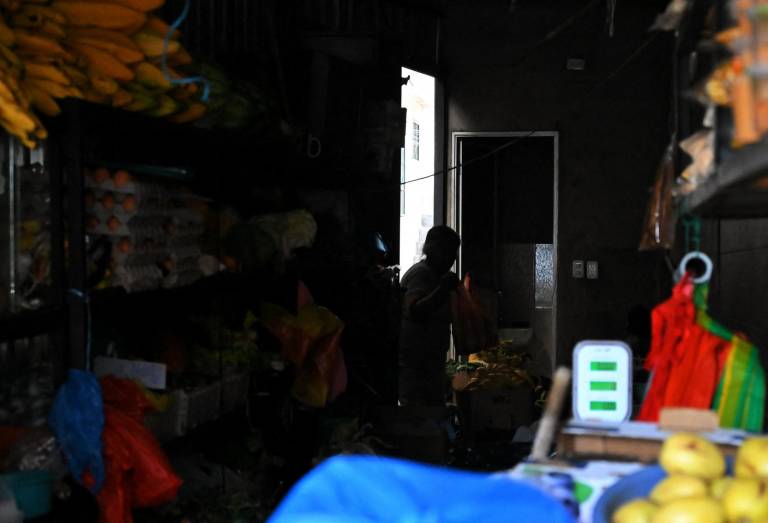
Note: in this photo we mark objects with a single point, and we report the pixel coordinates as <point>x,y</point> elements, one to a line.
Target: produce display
<point>33,263</point>
<point>493,369</point>
<point>741,82</point>
<point>697,489</point>
<point>141,235</point>
<point>110,52</point>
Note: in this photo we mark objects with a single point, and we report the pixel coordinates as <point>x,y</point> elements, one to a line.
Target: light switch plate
<point>578,268</point>
<point>593,270</point>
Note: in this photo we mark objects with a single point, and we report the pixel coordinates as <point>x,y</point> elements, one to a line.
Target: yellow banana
<point>20,134</point>
<point>157,26</point>
<point>45,12</point>
<point>94,96</point>
<point>42,100</point>
<point>16,114</point>
<point>52,29</point>
<point>122,98</point>
<point>75,75</point>
<point>36,15</point>
<point>5,91</point>
<point>110,41</point>
<point>47,72</point>
<point>19,93</point>
<point>104,63</point>
<point>31,43</point>
<point>194,111</point>
<point>181,57</point>
<point>141,102</point>
<point>7,36</point>
<point>102,84</point>
<point>54,89</point>
<point>153,45</point>
<point>106,15</point>
<point>140,5</point>
<point>9,56</point>
<point>151,76</point>
<point>10,5</point>
<point>165,106</point>
<point>40,132</point>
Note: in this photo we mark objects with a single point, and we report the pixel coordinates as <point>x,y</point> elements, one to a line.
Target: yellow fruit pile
<point>103,51</point>
<point>697,490</point>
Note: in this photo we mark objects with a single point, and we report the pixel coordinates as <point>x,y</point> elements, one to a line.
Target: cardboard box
<point>632,440</point>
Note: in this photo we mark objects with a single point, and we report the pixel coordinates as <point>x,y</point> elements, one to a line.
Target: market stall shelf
<point>739,188</point>
<point>31,323</point>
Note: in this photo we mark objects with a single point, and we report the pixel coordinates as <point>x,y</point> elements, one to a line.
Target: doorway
<point>503,202</point>
<point>417,166</point>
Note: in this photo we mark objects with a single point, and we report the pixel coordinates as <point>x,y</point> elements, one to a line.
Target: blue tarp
<point>369,489</point>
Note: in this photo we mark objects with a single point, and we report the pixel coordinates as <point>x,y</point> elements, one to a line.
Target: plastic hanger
<point>701,294</point>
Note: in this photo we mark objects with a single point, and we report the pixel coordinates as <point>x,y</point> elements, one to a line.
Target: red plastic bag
<point>126,396</point>
<point>137,472</point>
<point>686,360</point>
<point>472,331</point>
<point>311,341</point>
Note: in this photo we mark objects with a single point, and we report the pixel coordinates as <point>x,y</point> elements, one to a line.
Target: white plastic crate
<point>202,405</point>
<point>172,422</point>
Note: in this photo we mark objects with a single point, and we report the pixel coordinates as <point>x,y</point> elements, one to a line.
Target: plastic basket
<point>32,491</point>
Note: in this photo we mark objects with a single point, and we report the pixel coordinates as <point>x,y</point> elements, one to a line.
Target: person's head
<point>440,247</point>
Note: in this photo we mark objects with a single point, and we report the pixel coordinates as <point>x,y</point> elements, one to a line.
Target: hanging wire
<point>473,160</point>
<point>88,336</point>
<point>647,42</point>
<point>166,42</point>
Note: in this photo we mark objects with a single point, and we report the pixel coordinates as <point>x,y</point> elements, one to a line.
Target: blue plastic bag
<point>368,489</point>
<point>77,419</point>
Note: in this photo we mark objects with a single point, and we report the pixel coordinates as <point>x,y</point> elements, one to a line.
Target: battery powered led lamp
<point>602,381</point>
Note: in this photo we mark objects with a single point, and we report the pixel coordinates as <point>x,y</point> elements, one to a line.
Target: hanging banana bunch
<point>104,51</point>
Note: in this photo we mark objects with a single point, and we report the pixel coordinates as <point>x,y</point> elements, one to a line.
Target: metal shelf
<point>739,188</point>
<point>30,323</point>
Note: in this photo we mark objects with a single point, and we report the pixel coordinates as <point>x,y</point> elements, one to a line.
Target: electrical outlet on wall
<point>593,270</point>
<point>578,269</point>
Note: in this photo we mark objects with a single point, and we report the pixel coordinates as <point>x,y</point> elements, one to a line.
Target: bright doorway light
<point>417,165</point>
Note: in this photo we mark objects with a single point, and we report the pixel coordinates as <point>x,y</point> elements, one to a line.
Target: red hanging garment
<point>697,364</point>
<point>669,322</point>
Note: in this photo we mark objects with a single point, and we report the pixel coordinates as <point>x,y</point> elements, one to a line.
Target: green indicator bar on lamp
<point>602,365</point>
<point>602,405</point>
<point>602,385</point>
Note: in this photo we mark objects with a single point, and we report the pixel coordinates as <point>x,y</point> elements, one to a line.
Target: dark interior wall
<point>613,124</point>
<point>739,250</point>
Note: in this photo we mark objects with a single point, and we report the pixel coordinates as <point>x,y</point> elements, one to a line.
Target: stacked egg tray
<point>154,235</point>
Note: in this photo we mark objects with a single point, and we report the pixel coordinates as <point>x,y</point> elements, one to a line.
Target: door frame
<point>454,200</point>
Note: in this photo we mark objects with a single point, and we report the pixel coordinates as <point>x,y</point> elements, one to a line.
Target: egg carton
<point>102,229</point>
<point>138,277</point>
<point>181,279</point>
<point>109,185</point>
